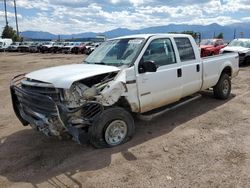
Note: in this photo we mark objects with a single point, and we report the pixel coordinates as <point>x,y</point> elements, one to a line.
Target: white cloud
<point>30,4</point>
<point>75,16</point>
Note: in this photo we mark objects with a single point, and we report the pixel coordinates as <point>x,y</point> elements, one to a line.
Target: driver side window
<point>161,52</point>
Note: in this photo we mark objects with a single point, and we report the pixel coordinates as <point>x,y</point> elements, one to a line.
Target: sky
<point>78,16</point>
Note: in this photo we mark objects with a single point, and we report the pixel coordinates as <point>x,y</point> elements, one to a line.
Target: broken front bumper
<point>51,117</point>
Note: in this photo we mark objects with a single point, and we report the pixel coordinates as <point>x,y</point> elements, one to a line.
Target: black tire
<point>222,89</point>
<point>247,60</point>
<point>98,129</point>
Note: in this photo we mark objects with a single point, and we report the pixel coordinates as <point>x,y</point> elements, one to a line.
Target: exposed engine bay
<point>87,90</point>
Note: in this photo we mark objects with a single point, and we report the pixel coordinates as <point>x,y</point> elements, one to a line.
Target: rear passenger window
<point>161,52</point>
<point>185,49</point>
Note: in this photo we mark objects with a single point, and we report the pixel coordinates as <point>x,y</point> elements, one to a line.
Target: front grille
<point>40,88</point>
<point>31,97</point>
<point>34,102</point>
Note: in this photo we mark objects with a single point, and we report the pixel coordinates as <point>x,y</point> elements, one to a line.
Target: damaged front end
<point>60,112</point>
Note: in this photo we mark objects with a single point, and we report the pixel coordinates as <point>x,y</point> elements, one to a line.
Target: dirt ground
<point>203,144</point>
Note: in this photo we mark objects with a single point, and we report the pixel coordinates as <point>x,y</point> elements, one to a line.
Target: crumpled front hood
<point>236,49</point>
<point>64,76</point>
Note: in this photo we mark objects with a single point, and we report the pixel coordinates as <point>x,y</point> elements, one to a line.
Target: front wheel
<point>114,127</point>
<point>222,89</point>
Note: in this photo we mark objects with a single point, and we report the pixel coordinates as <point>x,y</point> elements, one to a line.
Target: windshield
<point>207,42</point>
<point>241,43</point>
<point>116,52</point>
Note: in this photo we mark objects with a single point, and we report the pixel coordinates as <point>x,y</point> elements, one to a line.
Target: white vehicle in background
<point>241,46</point>
<point>91,47</point>
<point>69,46</point>
<point>4,44</point>
<point>13,47</point>
<point>143,75</point>
<point>46,47</point>
<point>24,46</point>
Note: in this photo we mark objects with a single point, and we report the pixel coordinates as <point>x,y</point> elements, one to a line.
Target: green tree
<point>220,36</point>
<point>192,33</point>
<point>9,32</point>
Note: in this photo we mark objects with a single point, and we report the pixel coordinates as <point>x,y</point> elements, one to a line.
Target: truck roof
<point>146,36</point>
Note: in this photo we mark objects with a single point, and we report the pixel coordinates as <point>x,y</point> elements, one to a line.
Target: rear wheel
<point>114,127</point>
<point>222,89</point>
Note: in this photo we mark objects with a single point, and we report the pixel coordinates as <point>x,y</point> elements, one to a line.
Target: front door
<point>164,86</point>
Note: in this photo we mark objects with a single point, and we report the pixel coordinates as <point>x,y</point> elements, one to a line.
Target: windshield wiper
<point>86,62</point>
<point>99,63</point>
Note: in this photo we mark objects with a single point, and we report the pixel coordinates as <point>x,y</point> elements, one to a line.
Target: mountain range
<point>207,31</point>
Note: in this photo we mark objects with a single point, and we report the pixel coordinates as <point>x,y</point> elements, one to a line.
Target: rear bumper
<point>50,117</point>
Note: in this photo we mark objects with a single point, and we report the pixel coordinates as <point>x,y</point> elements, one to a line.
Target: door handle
<point>198,68</point>
<point>179,73</point>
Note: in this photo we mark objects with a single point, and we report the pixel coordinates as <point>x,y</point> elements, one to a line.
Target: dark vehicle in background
<point>35,47</point>
<point>211,47</point>
<point>240,46</point>
<point>57,47</point>
<point>24,47</point>
<point>46,47</point>
<point>13,47</point>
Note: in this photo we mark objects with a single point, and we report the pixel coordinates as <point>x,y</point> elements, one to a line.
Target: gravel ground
<point>203,144</point>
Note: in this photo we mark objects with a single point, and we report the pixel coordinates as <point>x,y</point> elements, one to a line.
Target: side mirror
<point>147,66</point>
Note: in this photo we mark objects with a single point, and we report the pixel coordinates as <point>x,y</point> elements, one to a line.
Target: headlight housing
<point>78,94</point>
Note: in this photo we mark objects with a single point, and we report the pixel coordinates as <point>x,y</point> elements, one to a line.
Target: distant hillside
<point>207,31</point>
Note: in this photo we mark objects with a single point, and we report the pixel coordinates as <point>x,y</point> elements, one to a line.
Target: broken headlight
<point>77,95</point>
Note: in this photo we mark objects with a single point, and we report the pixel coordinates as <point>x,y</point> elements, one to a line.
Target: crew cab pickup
<point>131,75</point>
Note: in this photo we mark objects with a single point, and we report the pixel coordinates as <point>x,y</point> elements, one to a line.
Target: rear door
<point>164,86</point>
<point>191,65</point>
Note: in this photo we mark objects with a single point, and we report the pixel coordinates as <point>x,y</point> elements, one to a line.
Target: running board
<point>149,117</point>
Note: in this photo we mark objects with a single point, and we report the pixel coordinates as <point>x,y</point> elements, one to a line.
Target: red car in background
<point>211,47</point>
<point>80,48</point>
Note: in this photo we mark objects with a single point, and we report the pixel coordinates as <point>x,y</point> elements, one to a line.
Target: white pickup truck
<point>95,100</point>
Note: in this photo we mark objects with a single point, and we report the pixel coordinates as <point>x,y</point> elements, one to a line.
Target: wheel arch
<point>227,70</point>
<point>123,102</point>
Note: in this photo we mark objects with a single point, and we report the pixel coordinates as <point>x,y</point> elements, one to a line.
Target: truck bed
<point>214,65</point>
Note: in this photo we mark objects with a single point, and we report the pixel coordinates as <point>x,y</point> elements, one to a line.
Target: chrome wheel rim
<point>225,87</point>
<point>116,132</point>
